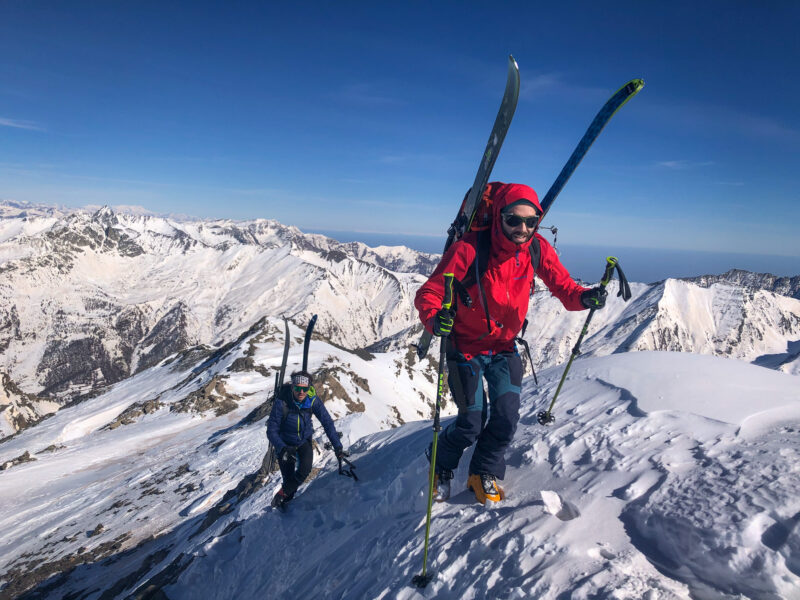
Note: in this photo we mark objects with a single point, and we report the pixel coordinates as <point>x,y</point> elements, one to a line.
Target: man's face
<point>515,223</point>
<point>300,392</point>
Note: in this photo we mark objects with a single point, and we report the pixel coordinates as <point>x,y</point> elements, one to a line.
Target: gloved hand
<point>341,453</point>
<point>443,322</point>
<point>595,297</point>
<point>287,453</point>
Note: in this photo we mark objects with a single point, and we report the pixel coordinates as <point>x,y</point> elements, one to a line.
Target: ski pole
<point>424,579</point>
<point>545,417</point>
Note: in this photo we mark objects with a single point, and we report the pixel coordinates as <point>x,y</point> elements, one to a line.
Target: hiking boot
<point>485,488</point>
<point>281,499</point>
<point>441,479</point>
<point>441,485</point>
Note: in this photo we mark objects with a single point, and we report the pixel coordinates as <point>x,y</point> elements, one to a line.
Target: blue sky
<point>372,116</point>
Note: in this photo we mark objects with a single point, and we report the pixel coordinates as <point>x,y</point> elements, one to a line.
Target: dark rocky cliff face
<point>169,336</point>
<point>9,326</point>
<point>74,368</point>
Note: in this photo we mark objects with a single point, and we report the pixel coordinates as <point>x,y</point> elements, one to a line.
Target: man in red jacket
<point>482,346</point>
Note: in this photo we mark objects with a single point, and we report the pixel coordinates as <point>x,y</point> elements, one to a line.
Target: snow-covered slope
<point>88,299</point>
<point>665,475</point>
<point>723,319</point>
<point>165,446</point>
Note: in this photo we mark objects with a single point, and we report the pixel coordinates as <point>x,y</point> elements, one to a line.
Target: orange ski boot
<point>485,488</point>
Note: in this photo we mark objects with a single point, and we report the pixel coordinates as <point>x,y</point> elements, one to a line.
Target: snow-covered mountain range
<point>89,298</point>
<point>150,345</point>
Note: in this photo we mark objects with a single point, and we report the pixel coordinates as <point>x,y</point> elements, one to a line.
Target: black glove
<point>287,453</point>
<point>341,453</point>
<point>595,297</point>
<point>443,322</point>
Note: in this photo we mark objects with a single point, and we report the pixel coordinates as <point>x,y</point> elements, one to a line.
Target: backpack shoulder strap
<point>480,266</point>
<point>481,261</point>
<point>285,406</point>
<point>536,253</point>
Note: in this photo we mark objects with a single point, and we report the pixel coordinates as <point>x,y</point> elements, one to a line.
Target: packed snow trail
<point>641,500</point>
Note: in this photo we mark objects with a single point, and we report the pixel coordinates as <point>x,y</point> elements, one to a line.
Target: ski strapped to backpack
<point>345,466</point>
<point>307,341</point>
<point>601,119</point>
<point>466,213</point>
<point>272,460</point>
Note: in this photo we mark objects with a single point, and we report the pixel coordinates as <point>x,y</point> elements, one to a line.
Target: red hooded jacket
<point>508,282</point>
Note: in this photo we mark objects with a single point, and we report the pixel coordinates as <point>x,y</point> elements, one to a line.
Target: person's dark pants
<point>296,468</point>
<point>503,373</point>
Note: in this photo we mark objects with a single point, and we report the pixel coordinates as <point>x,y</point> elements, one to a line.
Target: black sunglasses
<point>513,220</point>
<point>300,389</point>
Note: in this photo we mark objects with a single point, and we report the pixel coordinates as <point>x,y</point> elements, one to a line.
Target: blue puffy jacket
<point>297,427</point>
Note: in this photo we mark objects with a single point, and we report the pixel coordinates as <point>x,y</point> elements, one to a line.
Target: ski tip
<point>635,85</point>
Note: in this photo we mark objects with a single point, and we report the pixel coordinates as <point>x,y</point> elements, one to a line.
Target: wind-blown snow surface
<point>666,475</point>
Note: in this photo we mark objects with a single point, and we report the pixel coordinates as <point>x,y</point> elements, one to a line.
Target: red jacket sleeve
<point>428,300</point>
<point>557,279</point>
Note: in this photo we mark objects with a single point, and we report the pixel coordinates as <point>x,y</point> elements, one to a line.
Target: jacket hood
<point>502,195</point>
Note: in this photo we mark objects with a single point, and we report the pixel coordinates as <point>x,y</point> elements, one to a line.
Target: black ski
<point>272,461</point>
<point>282,373</point>
<point>610,108</point>
<point>496,138</point>
<point>307,341</point>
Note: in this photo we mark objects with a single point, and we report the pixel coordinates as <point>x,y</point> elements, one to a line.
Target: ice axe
<point>545,417</point>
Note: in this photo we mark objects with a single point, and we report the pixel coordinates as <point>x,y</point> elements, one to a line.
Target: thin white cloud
<point>683,164</point>
<point>19,124</point>
<point>540,84</point>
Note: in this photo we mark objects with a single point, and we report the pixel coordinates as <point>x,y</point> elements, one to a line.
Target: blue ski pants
<point>491,422</point>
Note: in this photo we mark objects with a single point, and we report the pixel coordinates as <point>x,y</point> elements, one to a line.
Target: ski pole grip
<point>448,291</point>
<point>611,263</point>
